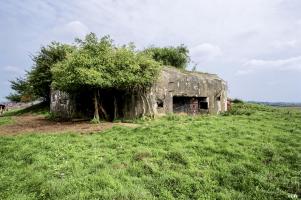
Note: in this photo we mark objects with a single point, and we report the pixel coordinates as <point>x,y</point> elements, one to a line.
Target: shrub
<point>237,101</point>
<point>241,109</point>
<point>53,117</point>
<point>173,56</point>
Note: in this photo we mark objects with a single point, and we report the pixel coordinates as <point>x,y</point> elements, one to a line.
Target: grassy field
<point>6,120</point>
<point>253,152</point>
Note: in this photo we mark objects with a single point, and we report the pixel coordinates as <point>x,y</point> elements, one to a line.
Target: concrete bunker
<point>175,91</point>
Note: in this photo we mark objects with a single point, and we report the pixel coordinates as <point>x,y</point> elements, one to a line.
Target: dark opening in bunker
<point>203,105</point>
<point>160,103</point>
<point>111,101</point>
<point>190,105</point>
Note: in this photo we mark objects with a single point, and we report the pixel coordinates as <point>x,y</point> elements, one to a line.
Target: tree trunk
<point>115,108</point>
<point>102,109</point>
<point>96,113</point>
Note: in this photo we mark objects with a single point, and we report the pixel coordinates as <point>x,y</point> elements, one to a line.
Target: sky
<point>254,45</point>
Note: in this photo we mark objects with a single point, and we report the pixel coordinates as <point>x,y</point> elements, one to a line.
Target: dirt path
<point>38,124</point>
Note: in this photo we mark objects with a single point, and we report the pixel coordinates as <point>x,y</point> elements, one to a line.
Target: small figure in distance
<point>2,108</point>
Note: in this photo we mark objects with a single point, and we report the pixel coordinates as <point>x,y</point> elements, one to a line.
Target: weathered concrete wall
<point>61,104</point>
<point>138,104</point>
<point>173,82</point>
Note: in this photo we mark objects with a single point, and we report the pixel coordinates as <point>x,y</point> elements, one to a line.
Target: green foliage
<point>22,91</point>
<point>98,63</point>
<point>53,117</point>
<point>237,101</point>
<point>40,76</point>
<point>14,97</point>
<point>240,109</point>
<point>133,69</point>
<point>213,157</point>
<point>173,56</point>
<point>94,63</point>
<point>37,81</point>
<point>246,109</point>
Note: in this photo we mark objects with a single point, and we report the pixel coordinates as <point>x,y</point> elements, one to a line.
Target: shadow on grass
<point>40,109</point>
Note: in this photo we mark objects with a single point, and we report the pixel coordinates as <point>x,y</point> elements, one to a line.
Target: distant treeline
<point>278,104</point>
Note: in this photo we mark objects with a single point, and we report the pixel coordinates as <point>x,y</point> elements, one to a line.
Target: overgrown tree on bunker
<point>172,56</point>
<point>36,83</point>
<point>40,77</point>
<point>98,64</point>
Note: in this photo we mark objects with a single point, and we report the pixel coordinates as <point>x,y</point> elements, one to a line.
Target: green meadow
<point>252,152</point>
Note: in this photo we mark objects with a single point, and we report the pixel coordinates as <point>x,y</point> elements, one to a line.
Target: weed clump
<point>173,117</point>
<point>241,109</point>
<point>177,157</point>
<point>142,155</point>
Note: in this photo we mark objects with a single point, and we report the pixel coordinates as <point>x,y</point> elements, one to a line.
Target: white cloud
<point>289,64</point>
<point>77,28</point>
<point>272,83</point>
<point>205,52</point>
<point>243,72</point>
<point>71,30</point>
<point>285,44</point>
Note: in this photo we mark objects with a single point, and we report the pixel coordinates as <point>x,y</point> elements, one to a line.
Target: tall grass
<point>235,156</point>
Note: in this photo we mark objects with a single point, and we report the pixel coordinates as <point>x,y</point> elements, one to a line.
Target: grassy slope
<point>252,153</point>
<point>38,109</point>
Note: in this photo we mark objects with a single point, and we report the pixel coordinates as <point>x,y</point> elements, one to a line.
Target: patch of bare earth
<point>38,124</point>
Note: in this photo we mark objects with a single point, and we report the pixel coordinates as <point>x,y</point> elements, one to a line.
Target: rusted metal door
<point>194,106</point>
